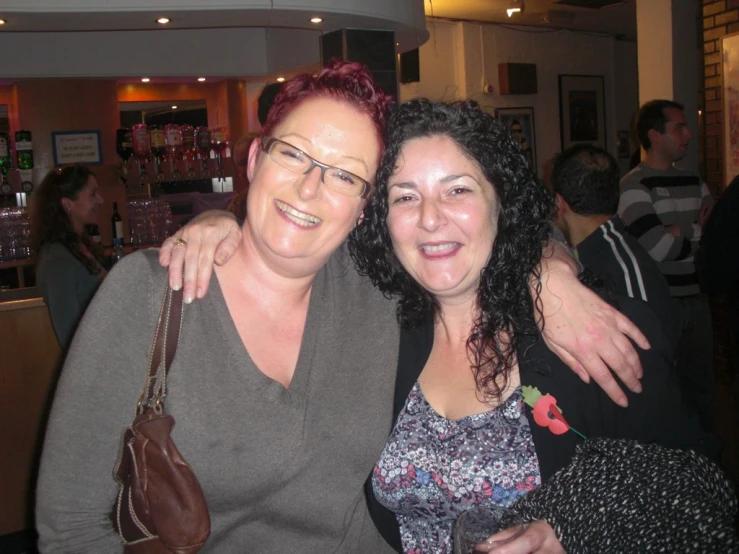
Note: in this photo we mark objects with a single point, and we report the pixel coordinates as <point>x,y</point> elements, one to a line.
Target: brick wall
<point>720,18</point>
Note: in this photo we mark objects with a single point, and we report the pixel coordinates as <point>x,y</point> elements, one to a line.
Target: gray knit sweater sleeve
<point>95,400</point>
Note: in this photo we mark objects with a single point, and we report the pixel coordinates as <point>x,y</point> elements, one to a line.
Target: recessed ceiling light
<point>2,22</point>
<point>315,19</point>
<point>145,79</point>
<point>201,79</point>
<point>163,20</point>
<point>174,107</point>
<point>280,79</point>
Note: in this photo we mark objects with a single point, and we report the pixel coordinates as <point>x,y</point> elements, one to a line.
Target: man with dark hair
<point>664,208</point>
<point>585,183</point>
<point>266,99</point>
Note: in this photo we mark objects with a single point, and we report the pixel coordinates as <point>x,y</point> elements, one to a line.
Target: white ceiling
<point>619,20</point>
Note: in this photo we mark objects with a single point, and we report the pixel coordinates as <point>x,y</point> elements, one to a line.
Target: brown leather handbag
<point>160,506</point>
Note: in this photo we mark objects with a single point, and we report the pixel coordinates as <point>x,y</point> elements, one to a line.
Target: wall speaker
<point>517,78</point>
<point>409,67</point>
<point>375,49</point>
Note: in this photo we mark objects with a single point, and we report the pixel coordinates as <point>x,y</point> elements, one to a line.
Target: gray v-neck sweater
<point>282,469</point>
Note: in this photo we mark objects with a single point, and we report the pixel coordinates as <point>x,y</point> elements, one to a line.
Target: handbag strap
<point>166,338</point>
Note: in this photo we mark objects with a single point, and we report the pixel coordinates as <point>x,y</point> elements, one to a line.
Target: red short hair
<point>350,82</point>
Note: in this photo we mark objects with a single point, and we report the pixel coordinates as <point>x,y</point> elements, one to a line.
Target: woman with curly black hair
<point>454,232</point>
<point>67,270</point>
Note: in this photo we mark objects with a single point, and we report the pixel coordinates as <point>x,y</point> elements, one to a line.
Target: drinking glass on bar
<point>473,529</point>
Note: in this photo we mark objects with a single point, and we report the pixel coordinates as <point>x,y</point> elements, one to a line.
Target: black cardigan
<point>656,415</point>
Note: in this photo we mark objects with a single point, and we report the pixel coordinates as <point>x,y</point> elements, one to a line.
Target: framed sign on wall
<point>582,110</point>
<point>71,147</point>
<point>520,122</point>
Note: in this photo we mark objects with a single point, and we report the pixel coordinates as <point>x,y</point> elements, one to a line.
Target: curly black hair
<point>506,312</point>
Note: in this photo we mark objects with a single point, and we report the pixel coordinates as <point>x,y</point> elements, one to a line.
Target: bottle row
<point>23,160</point>
<point>168,145</point>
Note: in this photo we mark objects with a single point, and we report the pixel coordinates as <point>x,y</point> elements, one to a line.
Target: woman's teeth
<point>432,248</point>
<point>306,220</point>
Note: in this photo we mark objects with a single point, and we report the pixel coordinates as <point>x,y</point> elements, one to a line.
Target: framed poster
<point>520,121</point>
<point>624,144</point>
<point>730,95</point>
<point>71,147</point>
<point>582,110</point>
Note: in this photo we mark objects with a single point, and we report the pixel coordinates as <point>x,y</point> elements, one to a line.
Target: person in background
<point>585,182</point>
<point>664,208</point>
<point>520,136</point>
<point>717,261</point>
<point>455,227</point>
<point>240,154</point>
<point>266,99</point>
<point>67,271</point>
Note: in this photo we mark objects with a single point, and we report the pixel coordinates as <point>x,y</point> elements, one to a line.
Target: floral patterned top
<point>433,468</point>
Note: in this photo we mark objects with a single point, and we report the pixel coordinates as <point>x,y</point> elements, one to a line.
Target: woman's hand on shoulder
<point>586,332</point>
<point>211,237</point>
<point>538,538</point>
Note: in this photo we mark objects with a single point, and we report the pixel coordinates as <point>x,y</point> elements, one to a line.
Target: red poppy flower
<point>547,414</point>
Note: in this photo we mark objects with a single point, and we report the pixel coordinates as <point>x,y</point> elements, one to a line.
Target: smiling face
<point>295,221</point>
<point>443,217</point>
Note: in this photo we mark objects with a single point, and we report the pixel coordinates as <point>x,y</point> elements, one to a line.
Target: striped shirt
<point>652,199</point>
<point>612,254</point>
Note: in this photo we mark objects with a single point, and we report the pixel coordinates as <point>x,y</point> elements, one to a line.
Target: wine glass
<point>473,529</point>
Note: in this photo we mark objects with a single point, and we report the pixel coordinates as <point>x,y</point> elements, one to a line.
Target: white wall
<point>459,56</point>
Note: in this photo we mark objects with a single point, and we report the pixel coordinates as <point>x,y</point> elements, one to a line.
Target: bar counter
<point>31,359</point>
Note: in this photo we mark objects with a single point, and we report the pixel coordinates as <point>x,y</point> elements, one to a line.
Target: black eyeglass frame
<point>267,145</point>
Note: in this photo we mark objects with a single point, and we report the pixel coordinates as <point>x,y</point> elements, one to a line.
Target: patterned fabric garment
<point>433,468</point>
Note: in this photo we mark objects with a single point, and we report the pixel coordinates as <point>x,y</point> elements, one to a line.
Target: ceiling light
<point>174,107</point>
<point>280,79</point>
<point>201,79</point>
<point>145,79</point>
<point>315,19</point>
<point>2,22</point>
<point>516,6</point>
<point>163,20</point>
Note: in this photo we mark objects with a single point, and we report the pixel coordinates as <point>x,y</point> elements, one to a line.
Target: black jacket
<point>656,415</point>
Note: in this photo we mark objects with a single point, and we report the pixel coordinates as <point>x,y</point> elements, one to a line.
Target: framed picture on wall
<point>520,122</point>
<point>730,95</point>
<point>624,144</point>
<point>582,110</point>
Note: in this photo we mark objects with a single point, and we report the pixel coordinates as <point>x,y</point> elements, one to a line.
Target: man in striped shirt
<point>664,208</point>
<point>585,181</point>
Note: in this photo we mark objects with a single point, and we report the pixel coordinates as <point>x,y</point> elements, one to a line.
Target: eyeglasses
<point>297,161</point>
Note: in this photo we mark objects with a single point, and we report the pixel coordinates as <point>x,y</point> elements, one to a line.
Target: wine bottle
<point>117,223</point>
<point>117,250</point>
<point>24,149</point>
<point>6,160</point>
<point>24,158</point>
